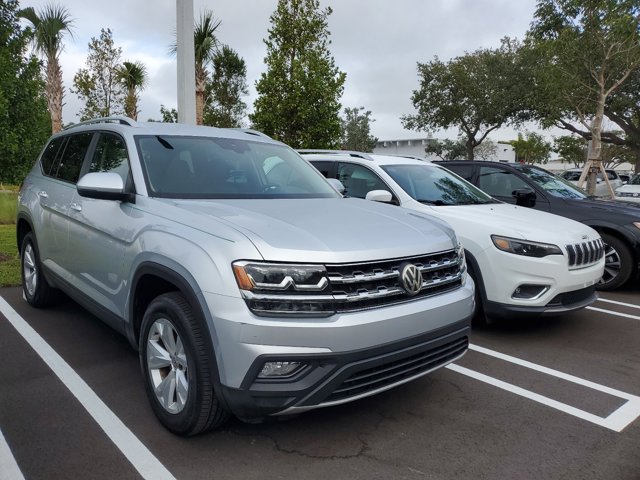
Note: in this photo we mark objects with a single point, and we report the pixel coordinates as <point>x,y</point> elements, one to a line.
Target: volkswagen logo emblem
<point>411,278</point>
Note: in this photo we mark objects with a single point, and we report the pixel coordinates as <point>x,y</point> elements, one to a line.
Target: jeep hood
<point>333,230</point>
<point>512,221</point>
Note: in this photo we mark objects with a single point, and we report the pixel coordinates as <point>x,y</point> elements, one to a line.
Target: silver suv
<point>248,285</point>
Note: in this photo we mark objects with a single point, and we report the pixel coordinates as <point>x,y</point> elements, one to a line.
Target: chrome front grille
<point>360,286</point>
<point>357,286</point>
<point>585,253</point>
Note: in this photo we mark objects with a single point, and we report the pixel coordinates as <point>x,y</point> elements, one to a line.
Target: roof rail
<point>350,153</point>
<point>122,120</point>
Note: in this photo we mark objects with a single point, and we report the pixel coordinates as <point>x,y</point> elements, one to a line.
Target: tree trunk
<point>54,92</point>
<point>469,145</point>
<point>201,82</point>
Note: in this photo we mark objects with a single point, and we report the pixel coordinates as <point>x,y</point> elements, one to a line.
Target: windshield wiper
<point>432,202</point>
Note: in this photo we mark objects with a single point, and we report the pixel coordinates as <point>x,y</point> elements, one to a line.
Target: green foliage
<point>356,130</point>
<point>571,148</point>
<point>299,95</point>
<point>97,85</point>
<point>615,155</point>
<point>588,66</point>
<point>224,106</point>
<point>169,115</point>
<point>532,148</point>
<point>477,93</point>
<point>446,149</point>
<point>133,77</point>
<point>9,258</point>
<point>8,207</point>
<point>24,122</point>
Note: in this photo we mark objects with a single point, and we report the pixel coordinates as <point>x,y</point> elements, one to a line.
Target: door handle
<point>76,207</point>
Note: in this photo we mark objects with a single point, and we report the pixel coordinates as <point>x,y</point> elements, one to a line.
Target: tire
<point>177,367</point>
<point>480,318</point>
<point>618,265</point>
<point>35,287</point>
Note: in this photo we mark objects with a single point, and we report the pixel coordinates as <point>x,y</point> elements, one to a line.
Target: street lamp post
<point>186,62</point>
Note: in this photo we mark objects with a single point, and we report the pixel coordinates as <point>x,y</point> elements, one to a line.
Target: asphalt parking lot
<point>552,399</point>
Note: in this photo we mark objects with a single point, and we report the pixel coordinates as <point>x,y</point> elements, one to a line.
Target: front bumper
<point>332,379</point>
<point>560,304</point>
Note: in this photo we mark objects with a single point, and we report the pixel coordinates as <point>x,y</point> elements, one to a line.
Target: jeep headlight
<point>284,289</point>
<point>524,247</point>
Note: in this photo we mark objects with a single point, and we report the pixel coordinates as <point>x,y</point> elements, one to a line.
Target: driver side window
<point>358,180</point>
<point>499,183</point>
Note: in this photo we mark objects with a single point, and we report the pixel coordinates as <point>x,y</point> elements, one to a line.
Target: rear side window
<point>50,153</point>
<point>464,171</point>
<point>70,163</point>
<point>498,182</point>
<point>111,155</point>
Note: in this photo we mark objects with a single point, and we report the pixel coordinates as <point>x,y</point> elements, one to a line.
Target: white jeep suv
<point>524,262</point>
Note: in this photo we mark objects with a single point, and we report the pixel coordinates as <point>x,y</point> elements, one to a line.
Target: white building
<point>415,147</point>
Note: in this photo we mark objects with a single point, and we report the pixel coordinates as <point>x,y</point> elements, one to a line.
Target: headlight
<point>523,247</point>
<point>284,289</point>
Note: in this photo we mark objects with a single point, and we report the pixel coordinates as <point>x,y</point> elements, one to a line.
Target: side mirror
<point>525,197</point>
<point>337,185</point>
<point>103,186</point>
<point>379,196</point>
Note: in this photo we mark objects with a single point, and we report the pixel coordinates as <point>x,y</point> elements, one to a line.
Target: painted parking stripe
<point>617,421</point>
<point>131,447</point>
<point>9,469</point>
<point>611,312</point>
<point>630,305</point>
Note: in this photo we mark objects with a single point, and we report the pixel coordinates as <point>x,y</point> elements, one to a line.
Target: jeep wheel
<point>37,291</point>
<point>618,263</point>
<point>177,367</point>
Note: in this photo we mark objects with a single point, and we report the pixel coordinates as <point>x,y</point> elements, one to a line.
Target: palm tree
<point>205,46</point>
<point>133,77</point>
<point>49,26</point>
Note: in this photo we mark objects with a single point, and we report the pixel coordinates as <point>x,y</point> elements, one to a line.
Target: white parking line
<point>9,469</point>
<point>617,421</point>
<point>631,305</point>
<point>133,449</point>
<point>611,312</point>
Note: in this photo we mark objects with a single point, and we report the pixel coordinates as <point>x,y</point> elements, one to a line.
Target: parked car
<point>524,262</point>
<point>247,283</point>
<point>602,190</point>
<point>617,222</point>
<point>630,192</point>
<point>624,178</point>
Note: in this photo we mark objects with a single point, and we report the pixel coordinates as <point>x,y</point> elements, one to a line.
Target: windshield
<point>207,167</point>
<point>552,184</point>
<point>635,180</point>
<point>436,186</point>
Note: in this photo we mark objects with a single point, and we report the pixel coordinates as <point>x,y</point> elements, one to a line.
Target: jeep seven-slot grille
<point>395,371</point>
<point>585,253</point>
<point>367,285</point>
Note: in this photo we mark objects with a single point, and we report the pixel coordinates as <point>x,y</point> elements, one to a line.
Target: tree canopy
<point>477,93</point>
<point>588,59</point>
<point>356,130</point>
<point>531,148</point>
<point>446,149</point>
<point>24,122</point>
<point>299,94</point>
<point>97,84</point>
<point>223,99</point>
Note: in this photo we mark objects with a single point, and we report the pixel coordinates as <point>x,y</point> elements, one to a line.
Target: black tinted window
<point>498,182</point>
<point>70,164</point>
<point>110,155</point>
<point>49,155</point>
<point>323,167</point>
<point>464,171</point>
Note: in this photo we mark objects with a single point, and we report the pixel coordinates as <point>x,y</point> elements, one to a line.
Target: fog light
<point>530,292</point>
<point>280,369</point>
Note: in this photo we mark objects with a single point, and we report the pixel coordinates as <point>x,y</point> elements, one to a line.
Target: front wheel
<point>37,292</point>
<point>177,367</point>
<point>618,264</point>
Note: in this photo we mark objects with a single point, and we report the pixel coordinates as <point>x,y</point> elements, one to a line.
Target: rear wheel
<point>177,367</point>
<point>618,264</point>
<point>37,291</point>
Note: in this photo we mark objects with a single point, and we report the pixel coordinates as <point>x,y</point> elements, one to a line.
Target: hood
<point>602,207</point>
<point>336,230</point>
<point>470,221</point>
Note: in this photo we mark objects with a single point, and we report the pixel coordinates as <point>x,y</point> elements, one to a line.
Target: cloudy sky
<point>376,42</point>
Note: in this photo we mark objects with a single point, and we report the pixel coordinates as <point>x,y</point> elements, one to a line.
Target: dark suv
<point>617,222</point>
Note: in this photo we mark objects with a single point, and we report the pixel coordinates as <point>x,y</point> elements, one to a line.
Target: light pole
<point>186,62</point>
